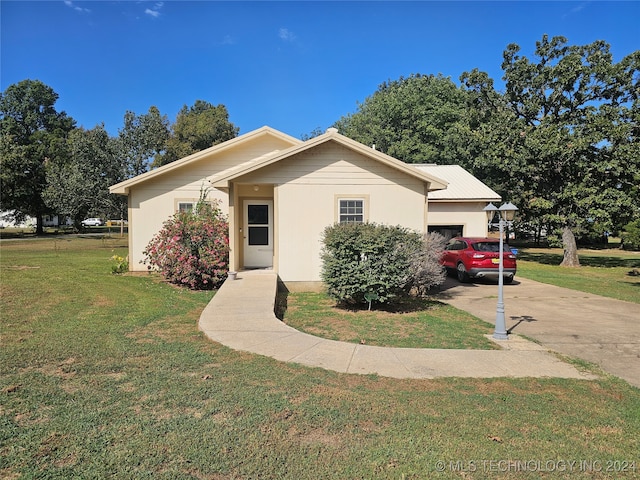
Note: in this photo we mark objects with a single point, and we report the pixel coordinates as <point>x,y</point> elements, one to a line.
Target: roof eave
<point>122,188</point>
<point>433,182</point>
<point>465,200</point>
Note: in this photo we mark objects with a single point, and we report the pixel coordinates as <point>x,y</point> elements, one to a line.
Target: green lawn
<point>602,272</point>
<point>105,376</point>
<point>424,324</point>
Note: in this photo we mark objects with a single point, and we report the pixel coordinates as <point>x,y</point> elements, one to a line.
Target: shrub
<point>365,261</point>
<point>631,236</point>
<point>192,249</point>
<point>426,270</point>
<point>121,264</point>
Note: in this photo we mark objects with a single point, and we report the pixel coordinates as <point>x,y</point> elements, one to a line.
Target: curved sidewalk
<point>241,316</point>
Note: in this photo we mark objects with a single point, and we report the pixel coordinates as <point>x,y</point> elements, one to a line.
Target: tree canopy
<point>50,166</point>
<point>560,141</point>
<point>32,132</point>
<point>417,119</point>
<point>142,138</point>
<point>196,128</point>
<point>78,184</point>
<point>567,150</point>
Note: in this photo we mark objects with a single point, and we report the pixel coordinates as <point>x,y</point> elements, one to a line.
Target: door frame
<point>270,247</point>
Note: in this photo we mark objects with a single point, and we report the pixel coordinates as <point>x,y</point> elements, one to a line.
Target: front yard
<point>420,324</point>
<point>105,376</point>
<point>612,273</point>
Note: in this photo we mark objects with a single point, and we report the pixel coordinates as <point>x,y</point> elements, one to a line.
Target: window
<point>455,245</point>
<point>351,211</point>
<point>184,207</point>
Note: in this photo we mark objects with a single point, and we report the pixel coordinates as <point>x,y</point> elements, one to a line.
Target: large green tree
<point>417,119</point>
<point>78,184</point>
<point>32,133</point>
<point>562,139</point>
<point>143,138</point>
<point>196,128</point>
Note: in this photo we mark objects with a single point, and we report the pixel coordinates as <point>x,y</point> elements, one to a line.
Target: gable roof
<point>221,180</point>
<point>123,187</point>
<point>462,185</point>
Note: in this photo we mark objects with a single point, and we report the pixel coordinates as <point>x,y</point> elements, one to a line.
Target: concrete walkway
<point>597,329</point>
<point>241,316</point>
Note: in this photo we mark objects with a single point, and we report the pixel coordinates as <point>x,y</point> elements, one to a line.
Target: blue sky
<point>295,66</point>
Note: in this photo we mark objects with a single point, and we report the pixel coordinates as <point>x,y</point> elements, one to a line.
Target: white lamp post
<point>507,212</point>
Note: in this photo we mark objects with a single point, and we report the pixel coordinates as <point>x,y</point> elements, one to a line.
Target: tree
<point>562,140</point>
<point>418,119</point>
<point>197,128</point>
<point>32,133</point>
<point>78,185</point>
<point>142,139</point>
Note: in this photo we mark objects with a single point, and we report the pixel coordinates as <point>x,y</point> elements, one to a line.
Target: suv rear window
<point>489,247</point>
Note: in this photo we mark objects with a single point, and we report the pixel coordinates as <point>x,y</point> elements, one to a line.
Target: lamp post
<point>507,211</point>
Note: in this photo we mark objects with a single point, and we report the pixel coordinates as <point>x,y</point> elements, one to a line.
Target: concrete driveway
<point>594,328</point>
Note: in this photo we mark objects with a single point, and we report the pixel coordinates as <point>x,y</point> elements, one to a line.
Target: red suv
<point>478,258</point>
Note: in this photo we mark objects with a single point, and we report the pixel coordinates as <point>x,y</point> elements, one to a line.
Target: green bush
<point>631,236</point>
<point>367,261</point>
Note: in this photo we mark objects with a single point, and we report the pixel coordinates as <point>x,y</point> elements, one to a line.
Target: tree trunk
<point>39,225</point>
<point>570,248</point>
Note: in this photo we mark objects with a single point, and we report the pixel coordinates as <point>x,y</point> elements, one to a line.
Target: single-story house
<point>281,192</point>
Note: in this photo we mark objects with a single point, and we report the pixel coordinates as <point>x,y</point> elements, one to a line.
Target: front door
<point>258,233</point>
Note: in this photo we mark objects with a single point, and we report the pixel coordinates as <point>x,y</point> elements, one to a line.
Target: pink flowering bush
<point>192,249</point>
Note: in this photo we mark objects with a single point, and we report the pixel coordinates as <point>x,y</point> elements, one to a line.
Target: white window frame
<point>184,206</point>
<point>363,199</point>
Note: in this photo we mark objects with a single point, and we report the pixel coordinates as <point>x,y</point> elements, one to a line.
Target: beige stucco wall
<point>468,214</point>
<point>307,189</point>
<point>154,201</point>
<point>149,209</point>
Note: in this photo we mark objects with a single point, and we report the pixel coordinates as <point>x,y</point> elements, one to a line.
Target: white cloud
<point>286,35</point>
<point>155,11</point>
<point>70,4</point>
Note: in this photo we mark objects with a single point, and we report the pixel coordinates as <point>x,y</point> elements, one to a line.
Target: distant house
<point>7,220</point>
<point>56,221</point>
<point>280,193</point>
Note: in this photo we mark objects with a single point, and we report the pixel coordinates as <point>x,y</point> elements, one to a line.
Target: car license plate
<point>495,260</point>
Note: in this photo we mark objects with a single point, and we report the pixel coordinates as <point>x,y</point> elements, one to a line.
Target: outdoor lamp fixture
<point>507,212</point>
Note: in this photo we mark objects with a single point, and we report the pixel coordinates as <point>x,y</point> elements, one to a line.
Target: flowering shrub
<point>192,249</point>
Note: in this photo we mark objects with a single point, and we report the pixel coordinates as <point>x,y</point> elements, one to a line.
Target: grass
<point>61,231</point>
<point>105,376</point>
<point>602,272</point>
<point>421,324</point>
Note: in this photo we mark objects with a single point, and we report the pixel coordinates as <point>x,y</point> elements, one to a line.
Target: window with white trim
<point>351,210</point>
<point>184,207</point>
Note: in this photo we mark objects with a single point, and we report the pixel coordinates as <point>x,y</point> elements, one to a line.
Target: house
<point>7,220</point>
<point>280,193</point>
